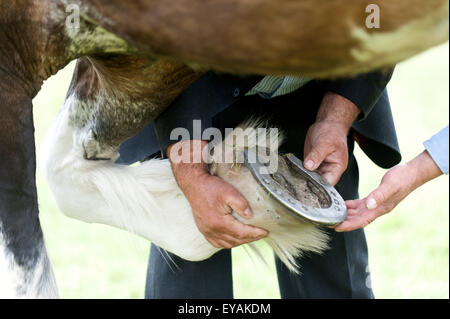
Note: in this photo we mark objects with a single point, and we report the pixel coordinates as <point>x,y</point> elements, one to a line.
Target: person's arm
<point>212,199</point>
<point>201,101</point>
<point>363,90</point>
<point>437,147</point>
<point>398,183</point>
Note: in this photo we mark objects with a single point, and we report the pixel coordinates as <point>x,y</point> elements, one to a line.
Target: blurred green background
<point>408,249</point>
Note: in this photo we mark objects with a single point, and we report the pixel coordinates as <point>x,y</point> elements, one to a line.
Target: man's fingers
<point>231,230</point>
<point>235,233</point>
<point>213,242</point>
<point>316,156</point>
<point>242,231</point>
<point>224,244</point>
<point>223,240</point>
<point>356,221</point>
<point>328,161</point>
<point>238,203</point>
<point>331,172</point>
<point>378,196</point>
<point>352,204</point>
<point>228,241</point>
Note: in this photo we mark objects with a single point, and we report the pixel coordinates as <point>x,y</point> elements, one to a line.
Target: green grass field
<point>408,248</point>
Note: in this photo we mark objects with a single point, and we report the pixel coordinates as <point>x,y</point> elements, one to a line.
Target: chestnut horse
<point>144,53</point>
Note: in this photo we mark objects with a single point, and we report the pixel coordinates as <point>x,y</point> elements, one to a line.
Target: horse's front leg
<point>35,42</point>
<point>25,270</point>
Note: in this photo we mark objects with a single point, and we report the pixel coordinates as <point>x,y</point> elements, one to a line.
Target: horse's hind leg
<point>25,270</point>
<point>112,97</point>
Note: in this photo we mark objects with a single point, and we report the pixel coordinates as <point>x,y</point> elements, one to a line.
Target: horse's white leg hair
<point>35,278</point>
<point>145,199</point>
<point>33,281</point>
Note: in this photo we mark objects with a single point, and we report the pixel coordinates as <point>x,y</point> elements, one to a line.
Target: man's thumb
<point>315,157</point>
<point>239,204</point>
<point>377,197</point>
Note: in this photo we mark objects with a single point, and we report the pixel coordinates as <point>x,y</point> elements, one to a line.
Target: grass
<point>408,249</point>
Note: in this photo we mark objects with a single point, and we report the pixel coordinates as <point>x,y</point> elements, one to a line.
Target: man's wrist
<point>186,160</point>
<point>423,169</point>
<point>338,109</point>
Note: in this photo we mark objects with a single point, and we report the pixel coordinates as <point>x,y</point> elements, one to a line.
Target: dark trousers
<point>340,272</point>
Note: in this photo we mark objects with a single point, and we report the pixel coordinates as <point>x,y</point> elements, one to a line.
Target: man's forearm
<point>363,90</point>
<point>338,109</point>
<point>423,168</point>
<point>186,160</point>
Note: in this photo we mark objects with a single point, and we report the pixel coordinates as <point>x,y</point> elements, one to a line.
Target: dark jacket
<point>218,101</point>
<point>213,93</point>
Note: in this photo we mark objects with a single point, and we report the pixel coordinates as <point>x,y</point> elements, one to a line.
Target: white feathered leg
<point>146,200</point>
<point>32,279</point>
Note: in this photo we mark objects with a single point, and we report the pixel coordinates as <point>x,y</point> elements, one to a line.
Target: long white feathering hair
<point>288,237</point>
<point>146,200</point>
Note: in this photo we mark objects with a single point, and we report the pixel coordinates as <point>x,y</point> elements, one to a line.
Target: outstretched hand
<point>396,184</point>
<point>394,187</point>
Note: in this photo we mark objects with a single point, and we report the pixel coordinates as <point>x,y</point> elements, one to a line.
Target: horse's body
<point>128,76</point>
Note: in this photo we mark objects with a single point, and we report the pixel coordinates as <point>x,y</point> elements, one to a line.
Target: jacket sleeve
<point>364,90</point>
<point>192,111</point>
<point>437,147</point>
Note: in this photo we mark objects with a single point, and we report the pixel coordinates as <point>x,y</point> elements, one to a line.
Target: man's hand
<point>212,201</point>
<point>326,146</point>
<point>396,184</point>
<point>326,141</point>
